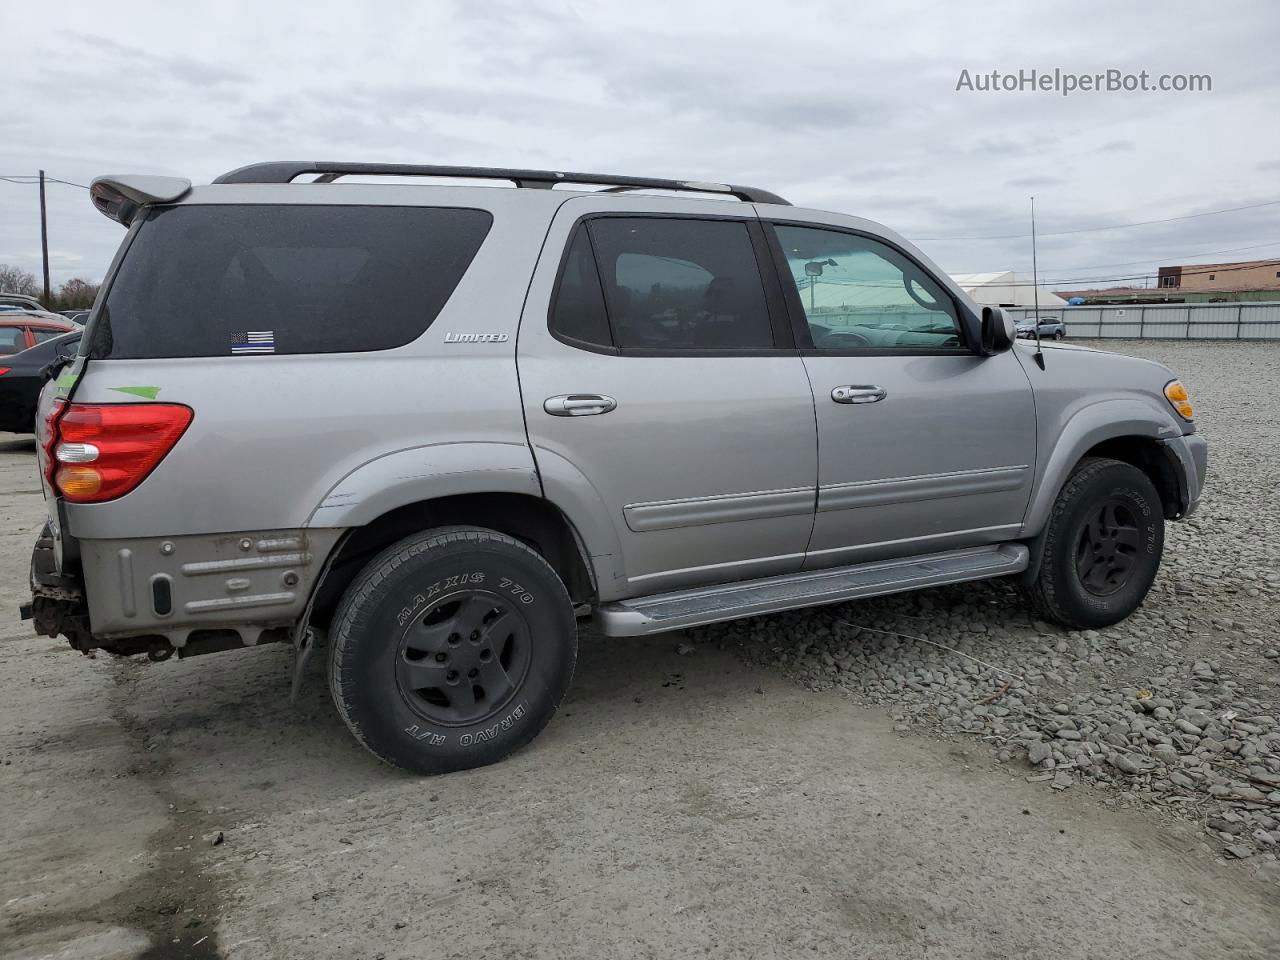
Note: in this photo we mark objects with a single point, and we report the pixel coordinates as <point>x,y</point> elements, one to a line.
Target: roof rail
<point>287,170</point>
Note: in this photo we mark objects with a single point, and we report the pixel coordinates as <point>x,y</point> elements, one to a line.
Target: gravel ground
<point>687,802</point>
<point>1174,709</point>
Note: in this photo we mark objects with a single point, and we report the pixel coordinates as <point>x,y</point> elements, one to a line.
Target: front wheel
<point>1102,547</point>
<point>452,649</point>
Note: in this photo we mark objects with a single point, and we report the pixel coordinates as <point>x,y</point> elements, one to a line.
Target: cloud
<point>837,107</point>
<point>1033,182</point>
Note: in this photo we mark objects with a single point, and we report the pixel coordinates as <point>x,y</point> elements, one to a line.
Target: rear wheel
<point>1102,548</point>
<point>452,649</point>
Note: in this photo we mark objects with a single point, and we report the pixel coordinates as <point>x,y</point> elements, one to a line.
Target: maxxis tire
<point>392,592</point>
<point>1058,592</point>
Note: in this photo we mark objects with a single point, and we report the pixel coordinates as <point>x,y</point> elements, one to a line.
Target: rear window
<point>224,280</point>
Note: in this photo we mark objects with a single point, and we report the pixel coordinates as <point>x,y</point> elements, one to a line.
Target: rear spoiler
<point>120,198</point>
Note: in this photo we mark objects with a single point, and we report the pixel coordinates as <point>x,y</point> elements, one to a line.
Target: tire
<point>451,649</point>
<point>1102,547</point>
<point>1059,335</point>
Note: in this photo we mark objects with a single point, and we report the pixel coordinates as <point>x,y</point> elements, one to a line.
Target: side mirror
<point>998,331</point>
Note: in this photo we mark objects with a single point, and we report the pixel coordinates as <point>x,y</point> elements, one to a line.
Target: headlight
<point>1176,394</point>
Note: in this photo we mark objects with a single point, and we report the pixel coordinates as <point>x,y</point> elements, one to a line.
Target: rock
<point>684,649</point>
<point>1062,780</point>
<point>1126,764</point>
<point>214,839</point>
<point>1038,752</point>
<point>1240,851</point>
<point>1166,752</point>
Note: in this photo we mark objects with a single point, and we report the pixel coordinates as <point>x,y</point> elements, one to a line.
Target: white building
<point>1001,290</point>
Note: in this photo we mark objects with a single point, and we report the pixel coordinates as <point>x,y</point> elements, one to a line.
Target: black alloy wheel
<point>463,660</point>
<point>1108,547</point>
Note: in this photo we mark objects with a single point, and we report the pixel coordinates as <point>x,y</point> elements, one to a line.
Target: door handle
<point>579,405</point>
<point>858,393</point>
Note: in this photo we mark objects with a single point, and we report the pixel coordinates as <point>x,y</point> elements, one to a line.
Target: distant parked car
<point>78,317</point>
<point>22,329</point>
<point>1051,328</point>
<point>23,374</point>
<point>20,301</point>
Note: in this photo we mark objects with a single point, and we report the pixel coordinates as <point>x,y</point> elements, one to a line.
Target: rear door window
<point>677,284</point>
<point>226,280</point>
<point>578,315</point>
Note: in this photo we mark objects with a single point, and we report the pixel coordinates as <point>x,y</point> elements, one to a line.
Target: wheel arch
<point>529,518</point>
<point>1140,447</point>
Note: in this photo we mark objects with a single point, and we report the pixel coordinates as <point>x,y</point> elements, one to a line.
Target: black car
<point>21,377</point>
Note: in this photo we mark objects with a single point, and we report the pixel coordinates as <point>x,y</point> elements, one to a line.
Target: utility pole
<point>1035,285</point>
<point>44,240</point>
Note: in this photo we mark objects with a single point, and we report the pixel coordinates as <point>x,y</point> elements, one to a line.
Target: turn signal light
<point>1176,394</point>
<point>104,450</point>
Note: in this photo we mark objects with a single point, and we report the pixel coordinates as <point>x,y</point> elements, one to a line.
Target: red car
<point>22,329</point>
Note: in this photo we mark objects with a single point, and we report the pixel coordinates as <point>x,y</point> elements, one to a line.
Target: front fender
<point>426,473</point>
<point>1084,428</point>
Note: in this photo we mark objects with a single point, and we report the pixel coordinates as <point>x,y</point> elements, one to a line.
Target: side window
<point>41,334</point>
<point>238,280</point>
<point>578,312</point>
<point>674,284</point>
<point>11,340</point>
<point>858,293</point>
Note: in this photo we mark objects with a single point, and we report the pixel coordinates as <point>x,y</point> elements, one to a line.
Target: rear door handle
<point>579,405</point>
<point>858,393</point>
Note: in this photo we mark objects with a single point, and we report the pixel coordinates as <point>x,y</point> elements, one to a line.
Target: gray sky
<point>846,106</point>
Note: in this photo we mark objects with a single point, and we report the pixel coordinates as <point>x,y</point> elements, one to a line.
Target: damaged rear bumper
<point>58,606</point>
<point>187,594</point>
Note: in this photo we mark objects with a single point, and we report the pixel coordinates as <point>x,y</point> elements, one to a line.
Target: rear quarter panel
<point>274,436</point>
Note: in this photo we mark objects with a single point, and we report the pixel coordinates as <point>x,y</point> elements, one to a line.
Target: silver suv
<point>436,424</point>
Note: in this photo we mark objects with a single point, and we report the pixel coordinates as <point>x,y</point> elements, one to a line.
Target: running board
<point>810,588</point>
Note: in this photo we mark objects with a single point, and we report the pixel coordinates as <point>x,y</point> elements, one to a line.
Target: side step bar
<point>810,588</point>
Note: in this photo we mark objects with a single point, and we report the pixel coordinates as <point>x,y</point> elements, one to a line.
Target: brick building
<point>1221,277</point>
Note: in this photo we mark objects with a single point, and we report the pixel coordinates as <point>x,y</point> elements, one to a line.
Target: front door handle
<point>858,393</point>
<point>579,405</point>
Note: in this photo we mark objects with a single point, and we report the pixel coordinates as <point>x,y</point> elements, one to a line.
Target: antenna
<point>1035,285</point>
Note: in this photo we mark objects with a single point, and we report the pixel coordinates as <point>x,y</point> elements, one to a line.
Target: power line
<point>1114,226</point>
<point>1132,263</point>
<point>1209,268</point>
<point>27,180</point>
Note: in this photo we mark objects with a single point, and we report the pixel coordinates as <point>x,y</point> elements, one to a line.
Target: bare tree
<point>75,294</point>
<point>16,280</point>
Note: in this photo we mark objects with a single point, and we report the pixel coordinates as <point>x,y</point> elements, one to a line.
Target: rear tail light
<point>4,370</point>
<point>104,450</point>
<point>47,435</point>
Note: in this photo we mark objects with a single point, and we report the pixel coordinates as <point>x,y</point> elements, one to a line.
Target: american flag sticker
<point>254,341</point>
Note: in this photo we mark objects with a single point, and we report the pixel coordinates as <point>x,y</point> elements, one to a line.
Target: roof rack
<point>287,170</point>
